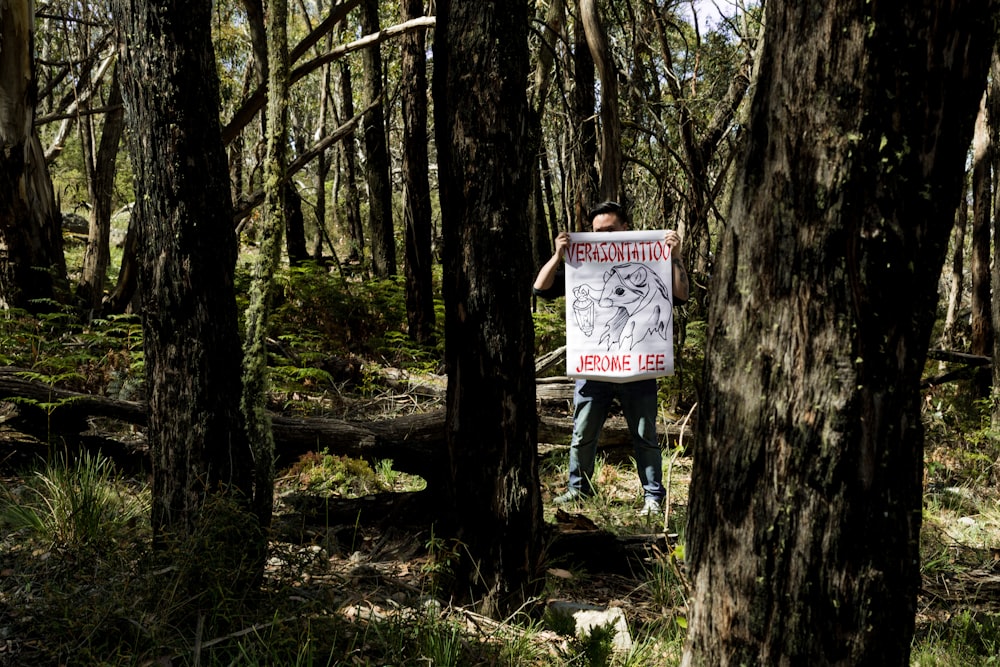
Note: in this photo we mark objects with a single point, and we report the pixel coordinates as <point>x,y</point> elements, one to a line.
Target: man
<point>592,398</point>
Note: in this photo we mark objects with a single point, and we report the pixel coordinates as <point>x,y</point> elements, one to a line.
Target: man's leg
<point>638,401</point>
<point>591,401</point>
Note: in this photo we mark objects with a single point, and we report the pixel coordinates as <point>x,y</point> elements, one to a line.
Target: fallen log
<point>959,357</point>
<point>415,442</point>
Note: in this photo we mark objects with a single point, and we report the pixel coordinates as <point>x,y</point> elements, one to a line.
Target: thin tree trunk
<point>584,184</point>
<point>352,199</point>
<point>322,167</point>
<point>955,293</point>
<point>806,488</point>
<point>982,203</point>
<point>541,242</point>
<point>993,114</point>
<point>276,196</point>
<point>295,225</point>
<point>383,240</point>
<point>97,256</point>
<point>124,293</point>
<point>416,186</point>
<point>612,186</point>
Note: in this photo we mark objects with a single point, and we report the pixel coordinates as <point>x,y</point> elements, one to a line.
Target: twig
<point>670,466</point>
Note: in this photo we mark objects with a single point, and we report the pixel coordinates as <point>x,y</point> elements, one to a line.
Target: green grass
<point>74,503</point>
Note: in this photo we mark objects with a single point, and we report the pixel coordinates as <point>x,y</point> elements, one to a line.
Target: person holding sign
<point>619,337</point>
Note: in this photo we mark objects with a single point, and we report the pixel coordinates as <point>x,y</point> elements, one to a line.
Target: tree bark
<point>957,286</point>
<point>805,502</point>
<point>295,225</point>
<point>982,205</point>
<point>383,240</point>
<point>584,184</point>
<point>416,184</point>
<point>124,292</point>
<point>187,256</point>
<point>993,115</point>
<point>611,185</point>
<point>276,198</point>
<point>323,167</point>
<point>97,256</point>
<point>352,199</point>
<point>484,158</point>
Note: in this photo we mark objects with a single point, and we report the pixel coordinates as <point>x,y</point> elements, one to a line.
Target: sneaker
<point>571,496</point>
<point>651,507</point>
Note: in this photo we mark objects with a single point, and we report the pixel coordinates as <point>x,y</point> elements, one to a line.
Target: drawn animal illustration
<point>642,303</point>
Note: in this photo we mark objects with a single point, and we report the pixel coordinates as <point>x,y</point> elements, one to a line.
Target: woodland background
<point>260,299</point>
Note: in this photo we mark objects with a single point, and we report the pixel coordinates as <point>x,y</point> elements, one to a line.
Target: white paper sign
<point>619,306</point>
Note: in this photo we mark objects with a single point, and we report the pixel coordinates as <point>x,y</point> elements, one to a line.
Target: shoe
<point>651,507</point>
<point>571,496</point>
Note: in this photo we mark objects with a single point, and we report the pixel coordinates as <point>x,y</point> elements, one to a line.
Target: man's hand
<point>562,242</point>
<point>546,276</point>
<point>680,276</point>
<point>673,241</point>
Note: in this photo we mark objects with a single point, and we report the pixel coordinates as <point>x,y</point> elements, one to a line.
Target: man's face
<point>608,222</point>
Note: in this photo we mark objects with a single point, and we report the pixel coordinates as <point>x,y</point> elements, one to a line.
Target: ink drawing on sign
<point>619,306</point>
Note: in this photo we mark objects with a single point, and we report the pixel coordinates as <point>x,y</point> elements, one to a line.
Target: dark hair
<point>608,207</point>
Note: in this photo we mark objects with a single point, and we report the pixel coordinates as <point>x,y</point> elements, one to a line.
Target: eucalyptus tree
<point>806,488</point>
<point>494,513</point>
<point>548,46</point>
<point>255,385</point>
<point>80,104</point>
<point>349,155</point>
<point>993,113</point>
<point>704,90</point>
<point>581,187</point>
<point>983,159</point>
<point>102,167</point>
<point>611,186</point>
<point>416,185</point>
<point>187,254</point>
<point>682,90</point>
<point>33,269</point>
<point>380,227</point>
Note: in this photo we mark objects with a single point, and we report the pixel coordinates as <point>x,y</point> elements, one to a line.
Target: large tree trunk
<point>484,158</point>
<point>805,503</point>
<point>187,255</point>
<point>416,186</point>
<point>383,240</point>
<point>32,266</point>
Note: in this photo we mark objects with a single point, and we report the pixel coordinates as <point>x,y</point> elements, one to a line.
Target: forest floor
<point>368,572</point>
